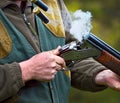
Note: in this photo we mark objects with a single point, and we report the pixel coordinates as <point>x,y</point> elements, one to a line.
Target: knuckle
<point>53,64</point>
<point>117,87</point>
<point>50,78</point>
<point>51,57</point>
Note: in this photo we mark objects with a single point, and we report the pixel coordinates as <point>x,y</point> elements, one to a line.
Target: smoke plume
<point>81,24</point>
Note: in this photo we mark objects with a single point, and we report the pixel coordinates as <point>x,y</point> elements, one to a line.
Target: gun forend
<point>109,57</point>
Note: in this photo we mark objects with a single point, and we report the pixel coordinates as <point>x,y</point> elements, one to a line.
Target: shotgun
<point>92,46</point>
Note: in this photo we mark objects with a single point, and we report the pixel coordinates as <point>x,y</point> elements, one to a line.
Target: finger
<point>64,68</point>
<point>53,72</point>
<point>62,64</point>
<point>56,51</point>
<point>60,61</point>
<point>58,67</point>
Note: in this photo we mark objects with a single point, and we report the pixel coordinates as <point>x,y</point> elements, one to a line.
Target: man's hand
<point>108,78</point>
<point>43,66</point>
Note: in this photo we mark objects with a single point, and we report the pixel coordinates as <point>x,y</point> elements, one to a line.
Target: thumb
<point>56,51</point>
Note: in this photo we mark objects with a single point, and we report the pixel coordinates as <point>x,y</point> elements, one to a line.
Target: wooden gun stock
<point>109,61</point>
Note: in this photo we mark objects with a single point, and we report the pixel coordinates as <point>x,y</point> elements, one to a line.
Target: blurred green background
<point>106,25</point>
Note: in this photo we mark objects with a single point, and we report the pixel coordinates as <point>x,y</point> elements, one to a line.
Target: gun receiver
<point>92,46</point>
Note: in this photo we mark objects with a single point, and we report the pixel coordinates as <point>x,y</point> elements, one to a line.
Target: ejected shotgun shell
<point>41,4</point>
<point>37,11</point>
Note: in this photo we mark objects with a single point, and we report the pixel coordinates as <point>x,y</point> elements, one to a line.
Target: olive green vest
<point>15,48</point>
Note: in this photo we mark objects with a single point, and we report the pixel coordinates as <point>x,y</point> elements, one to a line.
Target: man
<point>29,61</point>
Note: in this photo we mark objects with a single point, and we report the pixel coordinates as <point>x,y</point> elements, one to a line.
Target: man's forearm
<point>10,80</point>
<point>84,73</point>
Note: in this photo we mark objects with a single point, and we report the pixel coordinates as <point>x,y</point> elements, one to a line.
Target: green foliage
<point>106,25</point>
<point>106,96</point>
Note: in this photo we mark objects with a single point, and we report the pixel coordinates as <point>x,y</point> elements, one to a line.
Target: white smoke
<point>81,24</point>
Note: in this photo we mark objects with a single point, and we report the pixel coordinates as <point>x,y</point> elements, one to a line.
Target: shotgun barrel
<point>101,45</point>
